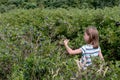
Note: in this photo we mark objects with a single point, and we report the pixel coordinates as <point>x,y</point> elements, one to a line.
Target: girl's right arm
<point>69,50</point>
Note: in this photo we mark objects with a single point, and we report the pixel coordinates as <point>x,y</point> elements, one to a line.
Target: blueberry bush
<point>32,44</point>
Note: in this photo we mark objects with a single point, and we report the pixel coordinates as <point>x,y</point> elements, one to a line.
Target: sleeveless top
<point>87,52</point>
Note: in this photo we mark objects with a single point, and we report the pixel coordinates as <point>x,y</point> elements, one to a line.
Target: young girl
<point>91,48</point>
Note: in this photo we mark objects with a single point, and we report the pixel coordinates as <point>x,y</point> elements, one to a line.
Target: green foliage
<point>81,4</point>
<point>31,43</point>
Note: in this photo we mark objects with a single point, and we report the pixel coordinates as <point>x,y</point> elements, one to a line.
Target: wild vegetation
<point>32,43</point>
<point>7,5</point>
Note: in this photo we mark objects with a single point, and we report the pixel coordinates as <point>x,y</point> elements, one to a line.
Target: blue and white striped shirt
<point>87,52</point>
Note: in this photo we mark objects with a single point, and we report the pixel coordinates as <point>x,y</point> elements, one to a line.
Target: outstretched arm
<point>70,51</point>
<point>100,55</point>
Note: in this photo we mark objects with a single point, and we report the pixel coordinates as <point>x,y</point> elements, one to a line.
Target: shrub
<point>31,42</point>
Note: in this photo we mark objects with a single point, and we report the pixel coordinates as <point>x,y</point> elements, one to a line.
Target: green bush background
<point>7,5</point>
<point>32,42</point>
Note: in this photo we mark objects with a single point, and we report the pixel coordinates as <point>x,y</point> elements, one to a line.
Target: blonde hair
<point>92,32</point>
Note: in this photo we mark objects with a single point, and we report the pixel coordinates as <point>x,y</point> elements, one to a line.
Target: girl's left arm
<point>100,55</point>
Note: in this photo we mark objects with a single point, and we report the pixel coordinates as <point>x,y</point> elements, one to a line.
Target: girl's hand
<point>66,41</point>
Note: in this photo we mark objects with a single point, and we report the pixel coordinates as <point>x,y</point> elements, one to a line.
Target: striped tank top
<point>87,52</point>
